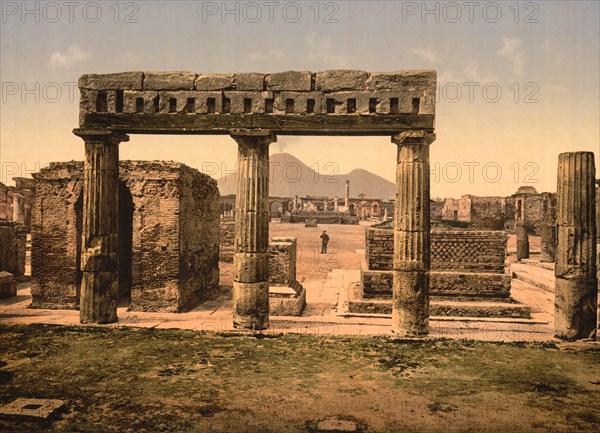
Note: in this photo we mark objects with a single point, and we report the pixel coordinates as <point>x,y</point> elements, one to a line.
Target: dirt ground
<point>130,380</point>
<point>344,240</point>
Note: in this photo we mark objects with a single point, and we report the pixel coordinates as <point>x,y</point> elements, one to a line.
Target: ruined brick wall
<point>55,236</point>
<point>451,250</point>
<point>13,238</point>
<point>199,238</point>
<point>487,212</point>
<point>282,261</point>
<point>6,203</point>
<point>169,235</point>
<point>435,209</point>
<point>227,247</point>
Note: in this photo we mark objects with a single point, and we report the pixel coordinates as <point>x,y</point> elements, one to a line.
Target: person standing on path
<point>324,241</point>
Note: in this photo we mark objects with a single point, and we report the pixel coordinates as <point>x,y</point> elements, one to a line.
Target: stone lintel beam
<point>100,229</point>
<point>410,308</point>
<point>251,258</point>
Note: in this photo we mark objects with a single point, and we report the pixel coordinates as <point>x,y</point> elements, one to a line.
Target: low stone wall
<point>321,217</point>
<point>378,284</point>
<point>13,240</point>
<point>451,250</point>
<point>282,261</point>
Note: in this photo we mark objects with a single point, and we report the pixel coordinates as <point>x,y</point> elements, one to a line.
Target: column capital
<point>413,137</point>
<point>261,136</point>
<point>101,135</point>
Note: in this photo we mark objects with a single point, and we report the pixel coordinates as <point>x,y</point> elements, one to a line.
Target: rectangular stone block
<point>249,81</point>
<point>169,80</point>
<point>117,81</point>
<point>238,104</point>
<point>8,285</point>
<point>130,98</point>
<point>402,80</point>
<point>215,82</point>
<point>289,80</point>
<point>300,102</point>
<point>336,80</point>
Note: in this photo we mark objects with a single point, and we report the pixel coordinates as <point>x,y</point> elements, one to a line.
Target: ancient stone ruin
<point>287,297</point>
<point>576,300</point>
<point>467,275</point>
<point>168,241</point>
<point>253,108</point>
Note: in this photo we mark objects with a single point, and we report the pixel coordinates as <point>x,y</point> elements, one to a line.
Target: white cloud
<point>427,54</point>
<point>273,54</point>
<point>472,73</point>
<point>72,55</point>
<point>319,49</point>
<point>512,52</point>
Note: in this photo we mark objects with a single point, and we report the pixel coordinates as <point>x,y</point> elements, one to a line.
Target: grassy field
<point>146,380</point>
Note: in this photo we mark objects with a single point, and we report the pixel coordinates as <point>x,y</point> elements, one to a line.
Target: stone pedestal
<point>251,258</point>
<point>522,241</point>
<point>100,239</point>
<point>575,271</point>
<point>410,305</point>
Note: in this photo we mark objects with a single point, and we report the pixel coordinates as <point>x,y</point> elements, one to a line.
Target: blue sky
<point>518,81</point>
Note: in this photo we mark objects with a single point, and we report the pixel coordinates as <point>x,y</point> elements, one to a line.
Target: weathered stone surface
<point>131,97</point>
<point>251,286</point>
<point>174,234</point>
<point>116,81</point>
<point>576,284</point>
<point>13,239</point>
<point>8,285</point>
<point>238,100</point>
<point>522,241</point>
<point>169,80</point>
<point>336,80</point>
<point>300,102</point>
<point>402,80</point>
<point>289,80</point>
<point>32,407</point>
<point>410,312</point>
<point>249,81</point>
<point>215,82</point>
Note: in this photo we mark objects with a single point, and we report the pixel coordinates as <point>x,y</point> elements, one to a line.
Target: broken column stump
<point>575,271</point>
<point>251,258</point>
<point>548,228</point>
<point>410,304</point>
<point>522,241</point>
<point>100,239</point>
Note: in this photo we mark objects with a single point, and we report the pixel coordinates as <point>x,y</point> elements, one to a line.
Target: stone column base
<point>251,305</point>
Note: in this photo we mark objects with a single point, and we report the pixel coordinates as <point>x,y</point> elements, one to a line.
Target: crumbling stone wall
<point>13,238</point>
<point>463,263</point>
<point>169,235</point>
<point>282,261</point>
<point>471,250</point>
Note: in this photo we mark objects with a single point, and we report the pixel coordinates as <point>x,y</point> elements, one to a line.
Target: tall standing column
<point>575,271</point>
<point>100,230</point>
<point>410,307</point>
<point>251,258</point>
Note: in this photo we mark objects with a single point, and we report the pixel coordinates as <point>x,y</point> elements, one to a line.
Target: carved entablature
<point>336,102</point>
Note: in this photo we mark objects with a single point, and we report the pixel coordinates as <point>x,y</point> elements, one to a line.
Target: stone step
<point>449,308</point>
<point>532,262</point>
<point>536,276</point>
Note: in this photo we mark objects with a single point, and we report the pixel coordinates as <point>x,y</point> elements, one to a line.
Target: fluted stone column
<point>548,228</point>
<point>251,258</point>
<point>100,230</point>
<point>575,271</point>
<point>410,308</point>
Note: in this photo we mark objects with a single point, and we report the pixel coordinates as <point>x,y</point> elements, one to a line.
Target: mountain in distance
<point>290,176</point>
